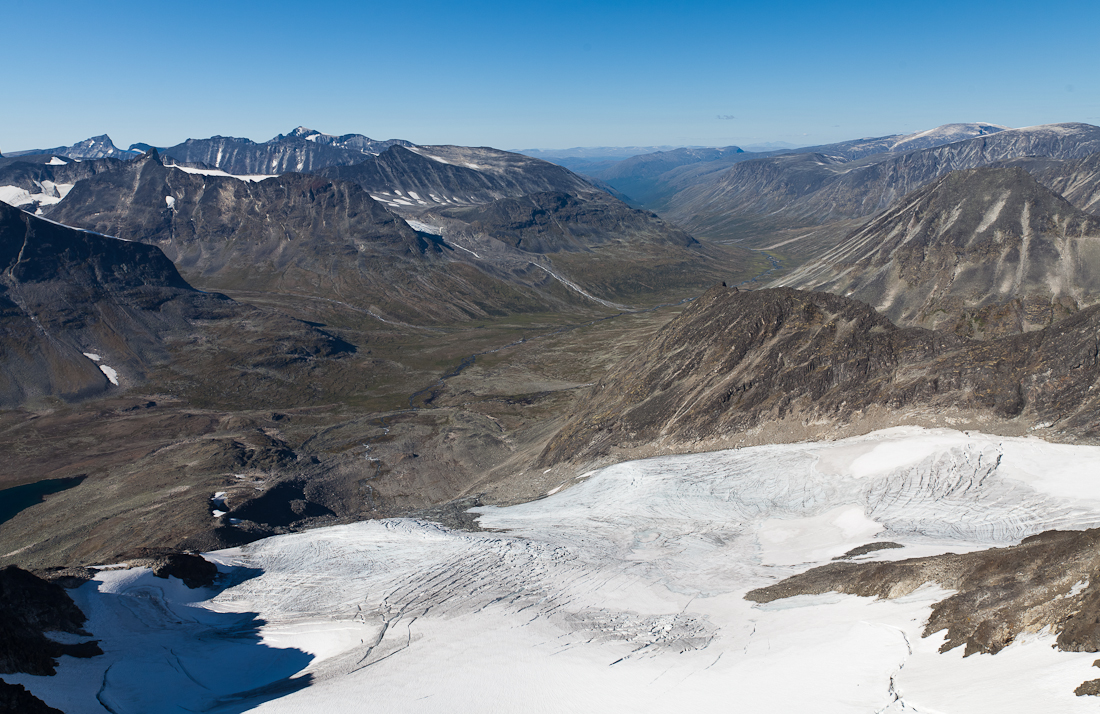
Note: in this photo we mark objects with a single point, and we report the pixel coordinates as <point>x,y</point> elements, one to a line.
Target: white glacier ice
<point>622,593</point>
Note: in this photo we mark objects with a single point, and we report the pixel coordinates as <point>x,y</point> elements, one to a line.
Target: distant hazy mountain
<point>300,150</point>
<point>651,180</point>
<point>641,178</point>
<point>902,143</point>
<point>982,252</point>
<point>810,188</point>
<point>98,147</point>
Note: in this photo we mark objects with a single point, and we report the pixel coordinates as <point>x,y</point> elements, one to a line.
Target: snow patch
<point>56,161</point>
<point>92,356</point>
<point>219,172</point>
<point>111,374</point>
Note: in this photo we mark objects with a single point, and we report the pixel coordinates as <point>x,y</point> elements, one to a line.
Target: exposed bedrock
<point>736,361</point>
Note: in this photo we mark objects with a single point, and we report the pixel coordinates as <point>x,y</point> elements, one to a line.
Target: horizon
<point>559,151</point>
<point>554,75</point>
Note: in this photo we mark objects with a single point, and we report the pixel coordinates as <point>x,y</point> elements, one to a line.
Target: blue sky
<point>542,74</point>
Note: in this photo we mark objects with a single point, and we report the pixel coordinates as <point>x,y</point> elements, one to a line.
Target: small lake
<point>15,499</point>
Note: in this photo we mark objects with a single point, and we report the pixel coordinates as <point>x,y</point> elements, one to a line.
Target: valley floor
<point>623,590</point>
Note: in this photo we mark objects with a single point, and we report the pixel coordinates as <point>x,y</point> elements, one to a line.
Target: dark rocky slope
<point>64,292</point>
<point>30,607</point>
<point>738,362</point>
<point>982,253</point>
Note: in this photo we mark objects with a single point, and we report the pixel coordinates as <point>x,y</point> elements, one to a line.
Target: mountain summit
<point>983,252</point>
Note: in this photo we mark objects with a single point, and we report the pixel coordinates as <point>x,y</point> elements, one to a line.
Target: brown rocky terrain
<point>784,364</point>
<point>981,253</point>
<point>1050,580</point>
<point>296,443</point>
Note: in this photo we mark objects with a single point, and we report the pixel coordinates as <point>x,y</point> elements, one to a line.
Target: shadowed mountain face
<point>82,314</point>
<point>982,253</point>
<point>813,188</point>
<point>553,221</point>
<point>65,292</point>
<point>735,362</point>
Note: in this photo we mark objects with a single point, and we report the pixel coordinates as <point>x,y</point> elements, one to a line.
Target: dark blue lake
<point>15,499</point>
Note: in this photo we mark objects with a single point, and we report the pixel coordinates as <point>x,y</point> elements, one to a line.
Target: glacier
<point>622,591</point>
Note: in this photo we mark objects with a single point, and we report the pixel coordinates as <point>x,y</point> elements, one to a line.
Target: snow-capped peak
<point>946,134</point>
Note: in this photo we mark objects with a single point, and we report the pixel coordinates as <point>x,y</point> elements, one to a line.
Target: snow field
<point>624,592</point>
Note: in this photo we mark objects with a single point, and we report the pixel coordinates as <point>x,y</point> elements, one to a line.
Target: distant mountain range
<point>480,244</point>
<point>510,216</point>
<point>98,147</point>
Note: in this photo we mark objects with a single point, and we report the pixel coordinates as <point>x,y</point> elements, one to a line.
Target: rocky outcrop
<point>16,698</point>
<point>737,360</point>
<point>981,253</point>
<point>29,608</point>
<point>1050,581</point>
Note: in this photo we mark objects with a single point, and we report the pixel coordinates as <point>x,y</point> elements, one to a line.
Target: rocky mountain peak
<point>982,252</point>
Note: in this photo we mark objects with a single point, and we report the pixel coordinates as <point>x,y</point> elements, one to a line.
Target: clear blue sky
<point>539,74</point>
